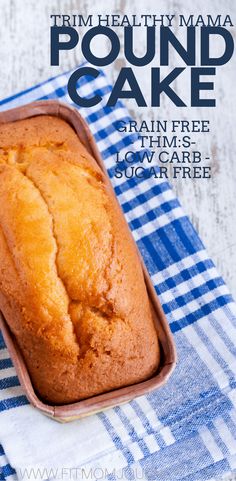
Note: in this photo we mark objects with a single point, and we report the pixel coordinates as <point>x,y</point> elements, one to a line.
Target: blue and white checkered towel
<point>184,431</point>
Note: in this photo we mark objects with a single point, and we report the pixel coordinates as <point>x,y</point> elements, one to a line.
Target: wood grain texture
<point>210,204</point>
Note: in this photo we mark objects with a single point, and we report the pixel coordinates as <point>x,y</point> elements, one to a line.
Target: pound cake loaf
<point>71,286</point>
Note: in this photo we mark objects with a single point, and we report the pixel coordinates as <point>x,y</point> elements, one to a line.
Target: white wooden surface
<point>24,54</point>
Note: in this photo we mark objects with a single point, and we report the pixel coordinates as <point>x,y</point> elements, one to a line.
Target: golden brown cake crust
<point>71,285</point>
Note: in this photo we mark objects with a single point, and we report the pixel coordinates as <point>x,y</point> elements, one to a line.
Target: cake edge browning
<point>82,330</point>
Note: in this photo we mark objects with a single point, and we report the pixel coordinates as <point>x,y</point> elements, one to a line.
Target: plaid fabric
<point>186,430</point>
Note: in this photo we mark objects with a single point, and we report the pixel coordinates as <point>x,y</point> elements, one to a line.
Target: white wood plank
<point>24,50</point>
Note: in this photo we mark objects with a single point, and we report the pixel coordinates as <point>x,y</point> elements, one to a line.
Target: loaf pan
<point>69,412</point>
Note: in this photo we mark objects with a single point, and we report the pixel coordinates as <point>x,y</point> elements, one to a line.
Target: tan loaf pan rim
<point>98,403</point>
